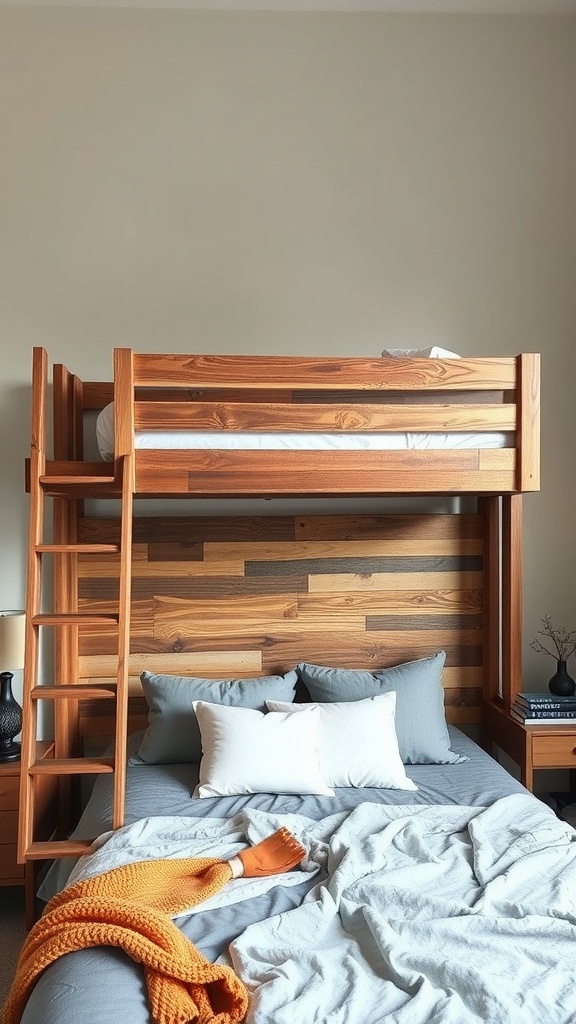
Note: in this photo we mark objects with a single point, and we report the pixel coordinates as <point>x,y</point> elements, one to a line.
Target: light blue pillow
<point>173,734</point>
<point>420,720</point>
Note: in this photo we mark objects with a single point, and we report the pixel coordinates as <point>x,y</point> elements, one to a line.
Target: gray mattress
<point>101,985</point>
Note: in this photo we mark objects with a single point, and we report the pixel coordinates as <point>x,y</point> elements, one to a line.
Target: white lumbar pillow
<point>357,742</point>
<point>432,352</point>
<point>247,751</point>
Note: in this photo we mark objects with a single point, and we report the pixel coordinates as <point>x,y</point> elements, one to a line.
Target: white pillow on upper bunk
<point>432,352</point>
<point>456,397</point>
<point>105,432</point>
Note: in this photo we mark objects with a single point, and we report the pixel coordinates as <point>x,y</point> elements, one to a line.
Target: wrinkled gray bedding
<point>99,986</point>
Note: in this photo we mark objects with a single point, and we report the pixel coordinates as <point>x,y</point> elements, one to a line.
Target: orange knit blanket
<point>129,907</point>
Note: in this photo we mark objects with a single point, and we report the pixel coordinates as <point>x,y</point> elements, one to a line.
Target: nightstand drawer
<point>553,751</point>
<point>8,827</point>
<point>9,787</point>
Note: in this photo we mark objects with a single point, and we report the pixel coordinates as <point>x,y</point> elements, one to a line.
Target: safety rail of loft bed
<point>210,386</point>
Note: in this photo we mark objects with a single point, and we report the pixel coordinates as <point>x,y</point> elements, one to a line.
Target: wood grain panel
<point>327,549</point>
<point>301,372</point>
<point>211,664</point>
<point>226,610</point>
<point>399,581</point>
<point>284,650</point>
<point>88,568</point>
<point>370,565</point>
<point>410,602</point>
<point>312,418</point>
<point>206,632</point>
<point>224,473</point>
<point>232,596</point>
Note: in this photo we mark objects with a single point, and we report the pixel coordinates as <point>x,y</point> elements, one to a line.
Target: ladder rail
<point>122,678</point>
<point>33,599</point>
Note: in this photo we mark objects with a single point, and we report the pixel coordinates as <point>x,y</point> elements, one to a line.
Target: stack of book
<point>544,709</point>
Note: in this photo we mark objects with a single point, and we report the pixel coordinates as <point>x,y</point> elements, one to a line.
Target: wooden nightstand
<point>530,746</point>
<point>12,873</point>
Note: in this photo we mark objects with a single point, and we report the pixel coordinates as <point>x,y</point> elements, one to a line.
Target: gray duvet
<point>102,986</point>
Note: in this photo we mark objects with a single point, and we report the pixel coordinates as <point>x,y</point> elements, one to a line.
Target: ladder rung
<point>86,489</point>
<point>72,471</point>
<point>73,766</point>
<point>88,480</point>
<point>58,848</point>
<point>73,691</point>
<point>74,619</point>
<point>80,549</point>
<point>76,479</point>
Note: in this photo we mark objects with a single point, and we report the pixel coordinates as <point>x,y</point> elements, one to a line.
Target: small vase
<point>561,684</point>
<point>10,720</point>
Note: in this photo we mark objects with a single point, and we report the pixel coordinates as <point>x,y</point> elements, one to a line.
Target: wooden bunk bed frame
<point>127,589</point>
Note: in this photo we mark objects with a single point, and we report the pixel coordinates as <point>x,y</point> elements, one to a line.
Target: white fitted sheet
<point>171,439</point>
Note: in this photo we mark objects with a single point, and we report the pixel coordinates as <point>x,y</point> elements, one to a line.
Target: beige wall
<point>253,182</point>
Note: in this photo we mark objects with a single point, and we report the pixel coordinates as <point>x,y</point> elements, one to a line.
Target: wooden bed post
<point>490,508</point>
<point>33,594</point>
<point>511,598</point>
<point>502,518</point>
<point>123,401</point>
<point>124,473</point>
<point>528,400</point>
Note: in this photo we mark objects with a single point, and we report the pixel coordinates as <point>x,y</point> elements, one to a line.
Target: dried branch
<point>563,642</point>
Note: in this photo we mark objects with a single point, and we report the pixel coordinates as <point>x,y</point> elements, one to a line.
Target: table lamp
<point>12,625</point>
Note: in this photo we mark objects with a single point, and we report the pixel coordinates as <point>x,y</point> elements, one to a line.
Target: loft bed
<point>470,445</point>
<point>242,597</point>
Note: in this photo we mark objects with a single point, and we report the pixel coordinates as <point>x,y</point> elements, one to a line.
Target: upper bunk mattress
<point>161,439</point>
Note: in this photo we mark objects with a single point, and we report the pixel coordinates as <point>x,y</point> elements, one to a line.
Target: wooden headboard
<point>242,596</point>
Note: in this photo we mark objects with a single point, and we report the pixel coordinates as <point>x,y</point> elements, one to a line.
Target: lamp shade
<point>12,632</point>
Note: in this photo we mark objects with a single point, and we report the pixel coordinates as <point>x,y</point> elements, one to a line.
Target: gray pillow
<point>420,719</point>
<point>173,734</point>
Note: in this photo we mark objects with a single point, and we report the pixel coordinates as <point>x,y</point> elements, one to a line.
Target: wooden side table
<point>12,873</point>
<point>530,746</point>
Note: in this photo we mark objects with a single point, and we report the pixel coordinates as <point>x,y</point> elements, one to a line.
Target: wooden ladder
<point>68,482</point>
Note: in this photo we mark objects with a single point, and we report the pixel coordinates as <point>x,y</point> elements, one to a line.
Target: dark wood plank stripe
<point>96,708</point>
<point>276,528</point>
<point>187,529</point>
<point>409,527</point>
<point>367,566</point>
<point>199,586</point>
<point>402,397</point>
<point>98,589</point>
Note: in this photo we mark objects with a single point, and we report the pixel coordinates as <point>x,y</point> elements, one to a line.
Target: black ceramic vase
<point>561,684</point>
<point>10,720</point>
